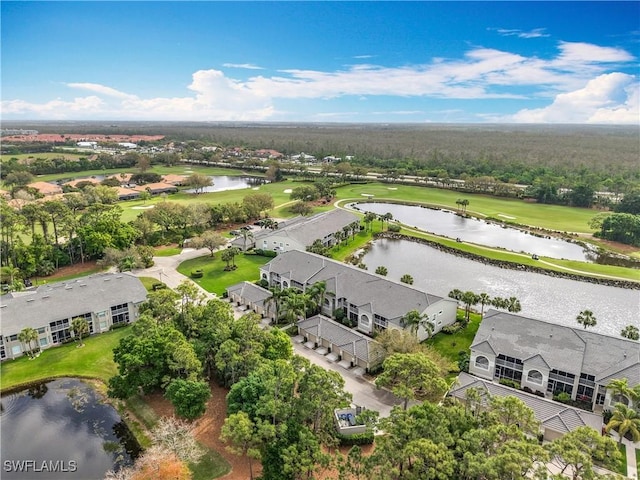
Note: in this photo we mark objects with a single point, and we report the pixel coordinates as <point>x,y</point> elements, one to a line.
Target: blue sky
<point>457,62</point>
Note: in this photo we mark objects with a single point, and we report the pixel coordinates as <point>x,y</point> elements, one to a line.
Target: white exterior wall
<point>542,387</point>
<point>279,243</point>
<point>481,372</point>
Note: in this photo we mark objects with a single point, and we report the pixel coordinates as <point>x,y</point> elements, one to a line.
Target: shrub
<point>158,286</point>
<point>510,383</point>
<point>365,438</point>
<point>562,397</point>
<point>197,273</point>
<point>453,328</point>
<point>393,228</point>
<point>116,326</point>
<point>265,253</point>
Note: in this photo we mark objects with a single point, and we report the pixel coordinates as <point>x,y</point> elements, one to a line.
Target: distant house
<point>556,419</point>
<point>173,179</point>
<point>103,300</point>
<point>156,188</point>
<point>127,193</point>
<point>301,232</point>
<point>271,154</point>
<point>46,188</point>
<point>74,183</point>
<point>123,178</point>
<point>303,158</point>
<point>548,358</point>
<point>87,144</point>
<point>128,145</point>
<point>371,301</point>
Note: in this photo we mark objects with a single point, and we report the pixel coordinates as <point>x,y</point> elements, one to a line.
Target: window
<point>60,330</point>
<point>380,321</point>
<point>534,376</point>
<point>365,320</point>
<point>482,362</point>
<point>41,330</point>
<point>560,381</point>
<point>44,342</point>
<point>120,314</point>
<point>16,350</point>
<point>586,387</point>
<point>508,367</point>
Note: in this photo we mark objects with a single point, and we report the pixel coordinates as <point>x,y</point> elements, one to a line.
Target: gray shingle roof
<point>385,297</point>
<point>347,339</point>
<point>553,415</point>
<point>250,292</point>
<point>564,348</point>
<point>305,230</point>
<point>56,301</point>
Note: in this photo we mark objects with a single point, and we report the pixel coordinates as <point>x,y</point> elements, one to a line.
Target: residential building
<point>556,419</point>
<point>371,301</point>
<point>46,188</point>
<point>156,188</point>
<point>103,300</point>
<point>252,297</point>
<point>546,358</point>
<point>300,233</point>
<point>340,343</point>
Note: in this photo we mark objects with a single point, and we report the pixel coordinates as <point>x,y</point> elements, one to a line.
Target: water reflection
<point>548,298</point>
<point>63,423</point>
<point>442,222</point>
<point>223,183</point>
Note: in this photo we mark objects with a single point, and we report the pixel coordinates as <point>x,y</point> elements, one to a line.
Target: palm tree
<point>295,306</point>
<point>382,270</point>
<point>513,305</point>
<point>631,332</point>
<point>406,278</point>
<point>624,421</point>
<point>246,235</point>
<point>26,336</point>
<point>464,204</point>
<point>276,299</point>
<point>387,217</point>
<point>369,217</point>
<point>80,327</point>
<point>456,294</point>
<point>468,298</point>
<point>414,320</point>
<point>483,299</point>
<point>355,228</point>
<point>586,319</point>
<point>316,295</point>
<point>620,389</point>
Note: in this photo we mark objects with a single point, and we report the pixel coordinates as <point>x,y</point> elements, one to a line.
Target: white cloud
<point>248,66</point>
<point>102,90</point>
<point>509,32</point>
<point>609,98</point>
<point>482,73</point>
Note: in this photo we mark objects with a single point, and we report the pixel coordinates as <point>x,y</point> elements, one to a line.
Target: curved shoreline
<point>628,284</point>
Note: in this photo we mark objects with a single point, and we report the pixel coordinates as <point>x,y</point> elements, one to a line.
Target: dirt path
<point>208,429</point>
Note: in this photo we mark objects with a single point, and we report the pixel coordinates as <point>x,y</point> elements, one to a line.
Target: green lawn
<point>167,251</point>
<point>450,345</point>
<point>555,217</point>
<point>94,360</point>
<point>215,279</point>
<point>638,462</point>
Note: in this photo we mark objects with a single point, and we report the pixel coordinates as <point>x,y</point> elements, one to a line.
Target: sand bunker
<point>288,190</point>
<point>506,216</point>
<point>142,207</point>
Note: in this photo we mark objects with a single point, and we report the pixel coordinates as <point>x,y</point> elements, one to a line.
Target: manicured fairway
<point>554,217</point>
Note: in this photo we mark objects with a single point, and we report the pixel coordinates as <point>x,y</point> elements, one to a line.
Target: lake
<point>223,183</point>
<point>544,297</point>
<point>448,224</point>
<point>65,430</point>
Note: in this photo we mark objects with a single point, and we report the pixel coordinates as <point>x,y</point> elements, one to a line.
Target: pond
<point>448,224</point>
<point>543,297</point>
<point>223,183</point>
<point>61,430</point>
